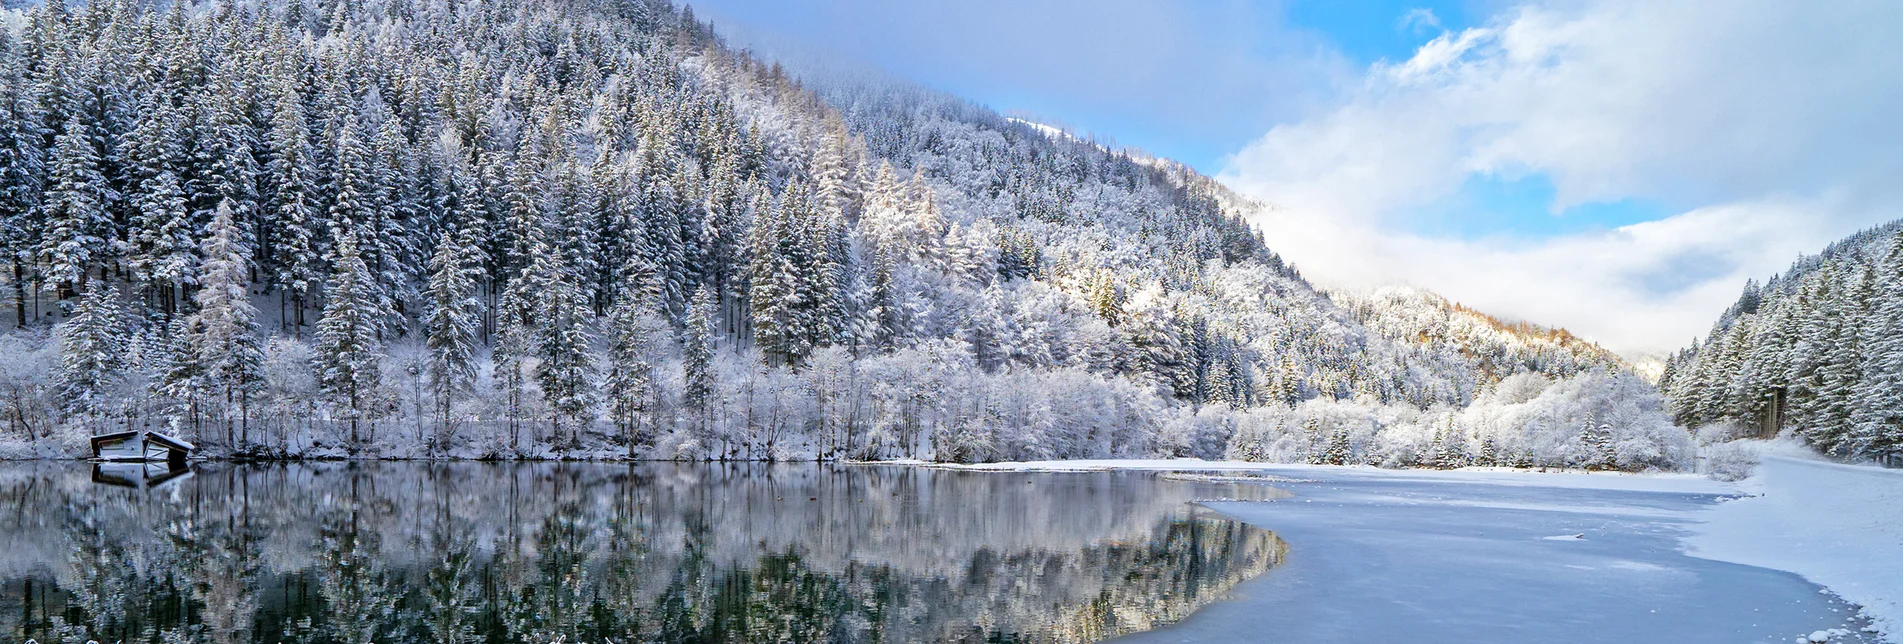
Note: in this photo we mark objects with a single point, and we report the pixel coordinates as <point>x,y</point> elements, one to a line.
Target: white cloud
<point>1770,127</point>
<point>1419,20</point>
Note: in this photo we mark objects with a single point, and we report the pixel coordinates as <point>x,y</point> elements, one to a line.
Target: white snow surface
<point>1839,526</point>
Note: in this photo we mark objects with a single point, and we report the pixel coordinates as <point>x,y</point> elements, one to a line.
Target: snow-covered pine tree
<point>356,206</point>
<point>1879,423</point>
<point>349,349</point>
<point>450,325</point>
<point>22,165</point>
<point>163,253</point>
<point>399,214</point>
<point>773,297</point>
<point>1339,448</point>
<point>634,330</point>
<point>90,350</point>
<point>228,147</point>
<point>1837,377</point>
<point>293,219</point>
<point>162,239</point>
<point>697,361</point>
<point>563,345</point>
<point>224,327</point>
<point>722,237</point>
<point>76,222</point>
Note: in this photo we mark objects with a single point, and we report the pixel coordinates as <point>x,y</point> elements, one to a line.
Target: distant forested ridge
<point>588,228</point>
<point>1819,347</point>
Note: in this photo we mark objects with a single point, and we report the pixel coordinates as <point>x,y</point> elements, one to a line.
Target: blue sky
<point>1618,167</point>
<point>977,50</point>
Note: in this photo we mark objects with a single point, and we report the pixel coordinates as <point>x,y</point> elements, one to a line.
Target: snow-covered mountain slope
<point>538,227</point>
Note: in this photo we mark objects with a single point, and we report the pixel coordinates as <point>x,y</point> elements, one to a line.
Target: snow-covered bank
<point>1839,526</point>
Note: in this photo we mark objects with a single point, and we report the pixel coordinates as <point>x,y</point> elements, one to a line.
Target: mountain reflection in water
<point>472,552</point>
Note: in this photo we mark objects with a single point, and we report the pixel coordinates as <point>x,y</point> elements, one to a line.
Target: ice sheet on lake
<point>1454,557</point>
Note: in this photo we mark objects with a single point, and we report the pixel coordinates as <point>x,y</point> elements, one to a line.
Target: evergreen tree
<point>451,323</point>
<point>634,328</point>
<point>90,348</point>
<point>1879,422</point>
<point>76,222</point>
<point>565,364</point>
<point>163,253</point>
<point>224,328</point>
<point>293,217</point>
<point>349,356</point>
<point>697,360</point>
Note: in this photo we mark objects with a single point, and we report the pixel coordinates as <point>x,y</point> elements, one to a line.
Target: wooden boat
<point>142,446</point>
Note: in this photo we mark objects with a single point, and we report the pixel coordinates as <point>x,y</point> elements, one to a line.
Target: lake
<point>572,552</point>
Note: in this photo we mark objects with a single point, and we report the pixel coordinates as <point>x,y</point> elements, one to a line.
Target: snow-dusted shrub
<point>1596,419</point>
<point>1719,432</point>
<point>1728,461</point>
<point>26,408</point>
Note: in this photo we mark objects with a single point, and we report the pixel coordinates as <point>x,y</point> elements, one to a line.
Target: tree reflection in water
<point>662,552</point>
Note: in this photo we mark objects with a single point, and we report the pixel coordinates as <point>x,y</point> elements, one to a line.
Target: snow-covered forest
<point>589,229</point>
<point>1820,346</point>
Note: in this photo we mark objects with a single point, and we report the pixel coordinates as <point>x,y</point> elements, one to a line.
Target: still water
<point>663,552</point>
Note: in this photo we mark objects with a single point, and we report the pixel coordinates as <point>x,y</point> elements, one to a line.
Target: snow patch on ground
<point>1839,526</point>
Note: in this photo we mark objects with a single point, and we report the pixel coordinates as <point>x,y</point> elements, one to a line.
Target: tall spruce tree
<point>451,324</point>
<point>563,342</point>
<point>697,360</point>
<point>224,329</point>
<point>90,350</point>
<point>634,330</point>
<point>349,351</point>
<point>76,221</point>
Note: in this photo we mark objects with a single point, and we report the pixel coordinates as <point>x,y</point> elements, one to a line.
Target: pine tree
<point>163,249</point>
<point>697,360</point>
<point>1879,422</point>
<point>1595,440</point>
<point>562,340</point>
<point>349,356</point>
<point>634,329</point>
<point>229,148</point>
<point>1339,448</point>
<point>293,216</point>
<point>22,166</point>
<point>450,325</point>
<point>773,298</point>
<point>1489,452</point>
<point>76,221</point>
<point>355,197</point>
<point>90,347</point>
<point>224,328</point>
<point>163,253</point>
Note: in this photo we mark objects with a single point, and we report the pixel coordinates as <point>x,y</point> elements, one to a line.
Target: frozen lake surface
<point>1392,557</point>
